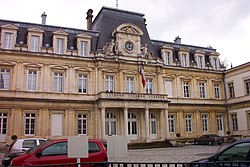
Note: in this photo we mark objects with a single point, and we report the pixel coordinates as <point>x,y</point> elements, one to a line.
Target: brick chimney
<point>177,40</point>
<point>43,18</point>
<point>89,19</point>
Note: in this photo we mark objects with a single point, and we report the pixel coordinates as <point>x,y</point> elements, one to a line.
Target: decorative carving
<point>111,48</point>
<point>145,52</point>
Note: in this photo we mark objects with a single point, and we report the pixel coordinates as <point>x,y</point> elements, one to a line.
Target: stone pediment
<point>200,51</point>
<point>32,66</point>
<point>59,68</point>
<point>184,49</point>
<point>6,63</point>
<point>35,29</point>
<point>128,29</point>
<point>60,32</point>
<point>9,26</point>
<point>167,47</point>
<point>81,69</point>
<point>83,35</point>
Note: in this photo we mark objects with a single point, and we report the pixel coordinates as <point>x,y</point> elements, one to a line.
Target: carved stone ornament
<point>130,30</point>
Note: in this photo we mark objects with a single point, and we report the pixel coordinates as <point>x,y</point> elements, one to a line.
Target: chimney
<point>43,18</point>
<point>89,19</point>
<point>177,40</point>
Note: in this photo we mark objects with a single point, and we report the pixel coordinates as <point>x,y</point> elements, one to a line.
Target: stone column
<point>126,122</point>
<point>102,122</point>
<point>147,124</point>
<point>166,123</point>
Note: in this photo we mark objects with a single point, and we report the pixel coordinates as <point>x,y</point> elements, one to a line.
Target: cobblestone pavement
<point>169,155</point>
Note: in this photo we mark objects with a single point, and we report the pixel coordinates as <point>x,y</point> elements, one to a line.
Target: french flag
<point>142,75</point>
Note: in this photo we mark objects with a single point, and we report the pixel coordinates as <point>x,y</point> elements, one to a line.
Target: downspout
<point>226,102</point>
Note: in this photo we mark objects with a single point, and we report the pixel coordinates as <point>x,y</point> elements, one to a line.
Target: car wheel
<point>195,142</point>
<point>210,143</point>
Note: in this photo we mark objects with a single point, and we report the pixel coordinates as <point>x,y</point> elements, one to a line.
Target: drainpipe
<point>226,103</point>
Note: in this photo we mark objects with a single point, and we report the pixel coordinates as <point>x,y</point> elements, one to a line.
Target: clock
<point>129,45</point>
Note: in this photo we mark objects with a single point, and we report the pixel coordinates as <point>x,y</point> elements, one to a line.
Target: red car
<point>56,152</point>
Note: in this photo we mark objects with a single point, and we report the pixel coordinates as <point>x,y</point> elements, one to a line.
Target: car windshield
<point>39,146</point>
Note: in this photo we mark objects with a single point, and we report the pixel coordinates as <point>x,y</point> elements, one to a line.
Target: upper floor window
<point>231,89</point>
<point>186,89</point>
<point>247,84</point>
<point>169,88</point>
<point>217,91</point>
<point>202,90</point>
<point>167,58</point>
<point>58,82</point>
<point>30,120</point>
<point>109,83</point>
<point>149,86</point>
<point>8,40</point>
<point>34,43</point>
<point>60,45</point>
<point>83,48</point>
<point>32,80</point>
<point>200,61</point>
<point>4,79</point>
<point>184,60</point>
<point>130,85</point>
<point>82,83</point>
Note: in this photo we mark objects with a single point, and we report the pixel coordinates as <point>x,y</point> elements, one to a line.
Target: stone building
<point>110,79</point>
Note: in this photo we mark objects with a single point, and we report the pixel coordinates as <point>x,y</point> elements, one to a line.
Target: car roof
<point>62,140</point>
<point>30,139</point>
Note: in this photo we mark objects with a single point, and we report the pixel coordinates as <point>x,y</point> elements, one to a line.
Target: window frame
<point>149,86</point>
<point>31,118</point>
<point>234,120</point>
<point>82,124</point>
<point>130,84</point>
<point>247,86</point>
<point>34,80</point>
<point>171,123</point>
<point>202,90</point>
<point>82,83</point>
<point>5,72</point>
<point>205,124</point>
<point>186,89</point>
<point>58,85</point>
<point>217,93</point>
<point>109,83</point>
<point>230,86</point>
<point>188,123</point>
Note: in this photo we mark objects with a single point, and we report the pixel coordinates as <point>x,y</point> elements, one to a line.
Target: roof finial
<point>117,4</point>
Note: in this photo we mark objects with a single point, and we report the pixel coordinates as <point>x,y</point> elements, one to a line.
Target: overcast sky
<point>223,24</point>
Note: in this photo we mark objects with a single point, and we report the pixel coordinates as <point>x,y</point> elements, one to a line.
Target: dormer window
<point>8,38</point>
<point>215,63</point>
<point>167,58</point>
<point>60,42</point>
<point>34,43</point>
<point>83,44</point>
<point>59,46</point>
<point>200,61</point>
<point>35,39</point>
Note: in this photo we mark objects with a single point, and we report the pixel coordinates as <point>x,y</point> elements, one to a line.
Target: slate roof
<point>103,25</point>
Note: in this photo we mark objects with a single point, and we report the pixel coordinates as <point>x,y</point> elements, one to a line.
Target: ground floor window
<point>204,119</point>
<point>188,123</point>
<point>82,124</point>
<point>234,121</point>
<point>132,124</point>
<point>3,123</point>
<point>30,121</point>
<point>56,124</point>
<point>171,123</point>
<point>219,122</point>
<point>152,124</point>
<point>110,123</point>
<point>248,120</point>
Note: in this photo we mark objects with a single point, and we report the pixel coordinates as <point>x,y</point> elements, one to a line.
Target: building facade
<point>110,79</point>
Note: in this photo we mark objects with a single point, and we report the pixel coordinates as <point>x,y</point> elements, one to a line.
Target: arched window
<point>110,124</point>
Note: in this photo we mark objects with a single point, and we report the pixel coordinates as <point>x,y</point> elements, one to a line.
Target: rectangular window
<point>31,80</point>
<point>3,123</point>
<point>130,85</point>
<point>82,83</point>
<point>248,120</point>
<point>167,56</point>
<point>200,61</point>
<point>149,86</point>
<point>171,123</point>
<point>204,119</point>
<point>60,46</point>
<point>202,90</point>
<point>215,64</point>
<point>219,122</point>
<point>34,43</point>
<point>109,84</point>
<point>234,121</point>
<point>186,89</point>
<point>184,60</point>
<point>247,84</point>
<point>169,88</point>
<point>83,48</point>
<point>56,124</point>
<point>217,91</point>
<point>8,40</point>
<point>188,123</point>
<point>4,79</point>
<point>231,90</point>
<point>58,82</point>
<point>82,124</point>
<point>30,120</point>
